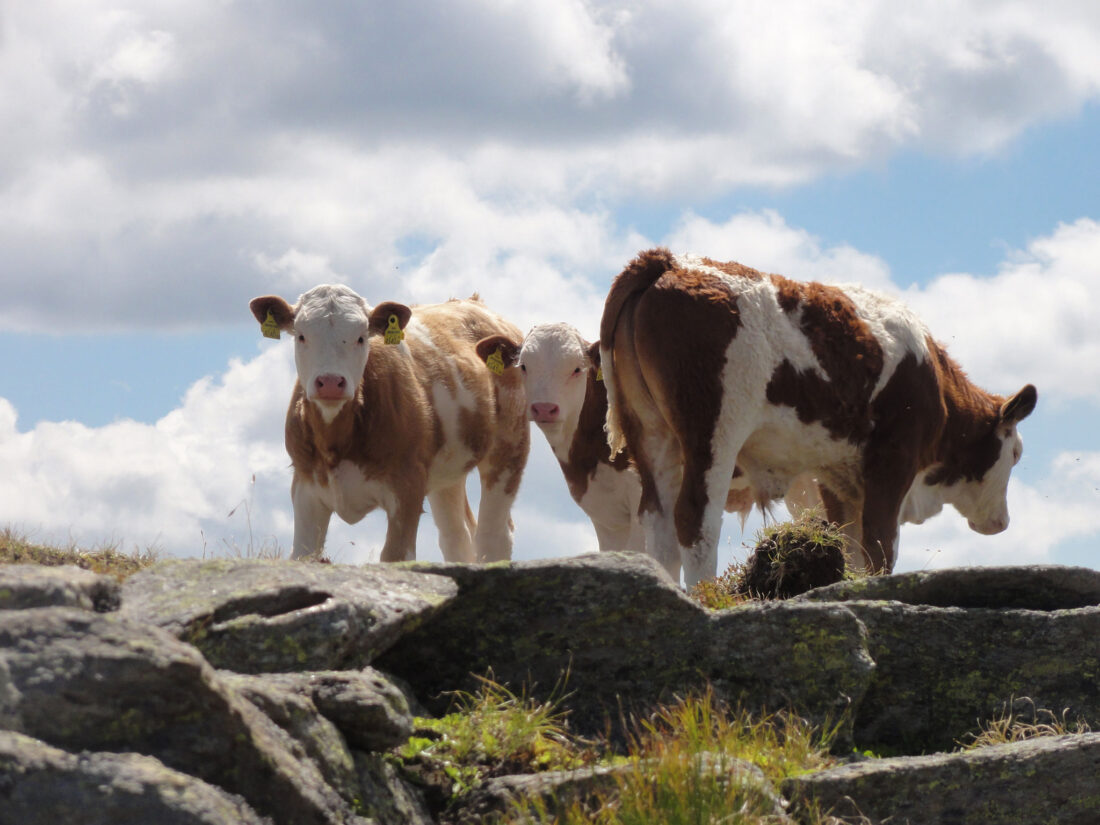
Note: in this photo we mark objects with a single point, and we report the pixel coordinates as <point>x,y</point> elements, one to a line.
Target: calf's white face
<point>331,343</point>
<point>332,329</point>
<point>554,362</point>
<point>981,495</point>
<point>984,502</point>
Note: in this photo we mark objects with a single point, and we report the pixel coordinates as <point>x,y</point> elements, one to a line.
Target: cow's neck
<point>587,448</point>
<point>971,411</point>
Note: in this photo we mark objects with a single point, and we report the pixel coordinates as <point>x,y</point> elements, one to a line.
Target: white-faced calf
<point>567,400</point>
<point>392,404</point>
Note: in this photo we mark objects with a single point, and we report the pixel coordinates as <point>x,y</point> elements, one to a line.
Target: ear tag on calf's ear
<point>394,333</point>
<point>495,362</point>
<point>599,373</point>
<point>270,327</point>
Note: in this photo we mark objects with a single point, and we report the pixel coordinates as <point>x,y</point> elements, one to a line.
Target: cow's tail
<point>616,327</point>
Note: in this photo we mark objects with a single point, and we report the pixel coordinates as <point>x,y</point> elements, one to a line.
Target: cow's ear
<point>593,352</point>
<point>389,316</point>
<point>274,307</point>
<point>498,346</point>
<point>1019,406</point>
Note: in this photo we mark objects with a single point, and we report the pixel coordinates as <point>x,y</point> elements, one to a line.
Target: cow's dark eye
<point>577,371</point>
<point>523,367</point>
<point>361,339</point>
<point>301,338</point>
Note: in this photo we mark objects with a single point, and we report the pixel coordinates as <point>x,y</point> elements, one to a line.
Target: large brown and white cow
<point>567,399</point>
<point>391,405</point>
<point>711,366</point>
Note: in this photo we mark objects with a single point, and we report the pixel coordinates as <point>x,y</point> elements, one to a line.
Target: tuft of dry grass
<point>1018,720</point>
<point>789,558</point>
<point>17,548</point>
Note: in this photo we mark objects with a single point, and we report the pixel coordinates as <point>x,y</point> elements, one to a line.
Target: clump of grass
<point>16,548</point>
<point>1018,720</point>
<point>724,591</point>
<point>492,732</point>
<point>688,767</point>
<point>789,558</point>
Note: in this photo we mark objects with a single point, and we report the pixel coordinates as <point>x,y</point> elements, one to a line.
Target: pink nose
<point>544,412</point>
<point>330,387</point>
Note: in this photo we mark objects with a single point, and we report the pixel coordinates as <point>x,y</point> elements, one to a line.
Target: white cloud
<point>1034,321</point>
<point>167,484</point>
<point>173,153</point>
<point>764,241</point>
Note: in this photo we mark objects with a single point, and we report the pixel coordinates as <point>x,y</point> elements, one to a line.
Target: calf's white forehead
<point>548,344</point>
<point>334,301</point>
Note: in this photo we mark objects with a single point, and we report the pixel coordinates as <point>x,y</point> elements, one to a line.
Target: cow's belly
<point>781,449</point>
<point>350,494</point>
<point>612,496</point>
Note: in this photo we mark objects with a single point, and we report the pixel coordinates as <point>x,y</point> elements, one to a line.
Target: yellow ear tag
<point>599,373</point>
<point>270,327</point>
<point>394,333</point>
<point>495,362</point>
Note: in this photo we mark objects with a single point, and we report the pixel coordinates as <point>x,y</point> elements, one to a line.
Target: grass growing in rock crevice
<point>16,548</point>
<point>1020,719</point>
<point>698,761</point>
<point>492,732</point>
<point>694,761</point>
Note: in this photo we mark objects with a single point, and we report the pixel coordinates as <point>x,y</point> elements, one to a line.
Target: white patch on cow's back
<point>897,329</point>
<point>767,330</point>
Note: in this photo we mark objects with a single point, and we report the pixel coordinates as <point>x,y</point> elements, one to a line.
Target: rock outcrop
<point>251,691</point>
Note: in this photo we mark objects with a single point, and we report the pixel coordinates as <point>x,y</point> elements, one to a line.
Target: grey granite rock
<point>32,585</point>
<point>255,616</point>
<point>43,785</point>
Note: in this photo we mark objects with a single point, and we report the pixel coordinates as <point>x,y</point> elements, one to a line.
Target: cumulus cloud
<point>764,241</point>
<point>1033,321</point>
<point>165,158</point>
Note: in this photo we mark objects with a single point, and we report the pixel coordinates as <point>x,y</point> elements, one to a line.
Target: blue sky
<point>172,160</point>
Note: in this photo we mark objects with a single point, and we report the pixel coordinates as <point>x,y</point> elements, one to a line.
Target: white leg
<point>494,519</point>
<point>311,518</point>
<point>449,511</point>
<point>659,525</point>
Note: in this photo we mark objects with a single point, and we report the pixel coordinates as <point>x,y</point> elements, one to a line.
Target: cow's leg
<point>311,518</point>
<point>847,513</point>
<point>708,469</point>
<point>403,519</point>
<point>661,478</point>
<point>880,520</point>
<point>495,529</point>
<point>454,520</point>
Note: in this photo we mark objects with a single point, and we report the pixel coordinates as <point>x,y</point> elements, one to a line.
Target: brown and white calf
<point>711,366</point>
<point>567,399</point>
<point>391,405</point>
<point>568,402</point>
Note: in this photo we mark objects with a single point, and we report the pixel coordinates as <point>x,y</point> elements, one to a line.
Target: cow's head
<point>976,481</point>
<point>555,362</point>
<point>333,331</point>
